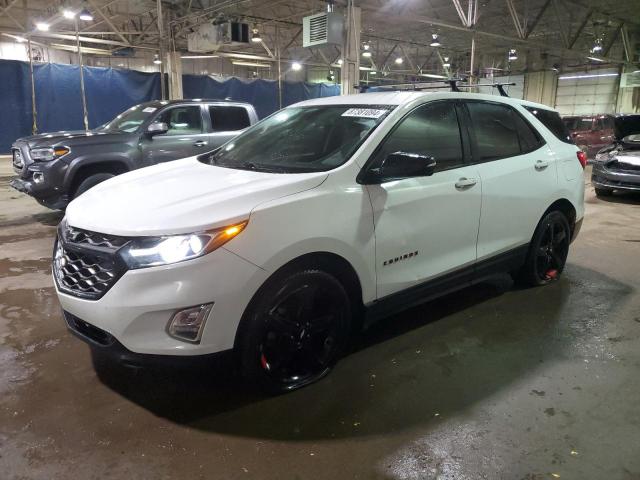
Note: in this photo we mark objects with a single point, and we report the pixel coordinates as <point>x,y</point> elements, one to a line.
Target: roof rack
<point>451,82</point>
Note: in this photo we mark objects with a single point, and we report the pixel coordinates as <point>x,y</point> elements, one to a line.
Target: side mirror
<point>157,128</point>
<point>404,165</point>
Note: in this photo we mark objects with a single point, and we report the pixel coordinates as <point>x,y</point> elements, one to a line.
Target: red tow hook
<point>551,274</point>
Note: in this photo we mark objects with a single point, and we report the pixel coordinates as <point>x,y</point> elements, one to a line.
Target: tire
<point>546,259</point>
<point>294,330</point>
<point>603,192</point>
<point>90,182</point>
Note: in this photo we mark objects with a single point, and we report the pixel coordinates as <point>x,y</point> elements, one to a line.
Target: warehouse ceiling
<point>546,33</point>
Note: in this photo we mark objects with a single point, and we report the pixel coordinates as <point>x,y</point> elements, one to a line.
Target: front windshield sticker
<point>149,110</point>
<point>364,112</point>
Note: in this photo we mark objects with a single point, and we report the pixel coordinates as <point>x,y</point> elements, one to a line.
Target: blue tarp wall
<point>110,91</point>
<point>262,94</point>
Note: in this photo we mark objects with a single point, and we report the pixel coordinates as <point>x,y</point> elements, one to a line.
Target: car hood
<point>183,196</point>
<point>69,138</point>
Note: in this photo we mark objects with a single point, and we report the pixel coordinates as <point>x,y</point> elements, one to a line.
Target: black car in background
<point>54,168</point>
<point>617,166</point>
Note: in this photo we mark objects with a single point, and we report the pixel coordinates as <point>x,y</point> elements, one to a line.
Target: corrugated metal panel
<point>588,95</point>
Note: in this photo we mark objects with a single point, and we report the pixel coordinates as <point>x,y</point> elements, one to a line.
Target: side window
<point>530,139</point>
<point>185,120</point>
<point>495,131</point>
<point>599,124</point>
<point>429,130</point>
<point>552,121</point>
<point>228,119</point>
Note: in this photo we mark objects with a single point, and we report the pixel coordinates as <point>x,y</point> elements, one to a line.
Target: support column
<point>161,48</point>
<point>541,87</point>
<point>85,116</point>
<point>174,65</point>
<point>350,69</point>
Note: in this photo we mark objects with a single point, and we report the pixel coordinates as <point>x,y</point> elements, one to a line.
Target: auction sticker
<point>364,112</point>
<point>149,110</point>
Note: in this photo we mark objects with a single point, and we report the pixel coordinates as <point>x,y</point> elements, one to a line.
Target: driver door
<point>426,227</point>
<point>185,137</point>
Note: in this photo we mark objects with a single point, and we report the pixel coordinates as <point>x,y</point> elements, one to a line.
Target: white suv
<point>323,217</point>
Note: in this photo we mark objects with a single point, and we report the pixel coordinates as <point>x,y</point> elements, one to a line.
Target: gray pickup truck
<point>54,168</point>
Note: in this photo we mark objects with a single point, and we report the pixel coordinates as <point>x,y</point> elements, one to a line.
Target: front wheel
<point>90,182</point>
<point>548,251</point>
<point>294,331</point>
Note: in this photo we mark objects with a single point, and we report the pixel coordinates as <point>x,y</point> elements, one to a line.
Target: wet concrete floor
<point>491,382</point>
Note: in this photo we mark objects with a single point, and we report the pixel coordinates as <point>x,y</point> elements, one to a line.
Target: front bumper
<point>136,310</point>
<point>44,196</point>
<point>602,177</point>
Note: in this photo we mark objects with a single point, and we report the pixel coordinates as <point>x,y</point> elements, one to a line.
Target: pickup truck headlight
<point>154,251</point>
<point>49,153</point>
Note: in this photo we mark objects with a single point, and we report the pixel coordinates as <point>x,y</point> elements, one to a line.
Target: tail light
<point>582,158</point>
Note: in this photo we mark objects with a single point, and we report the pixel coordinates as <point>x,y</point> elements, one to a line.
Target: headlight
<point>153,251</point>
<point>48,154</point>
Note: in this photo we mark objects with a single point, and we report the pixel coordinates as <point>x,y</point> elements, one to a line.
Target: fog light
<point>188,324</point>
<point>38,177</point>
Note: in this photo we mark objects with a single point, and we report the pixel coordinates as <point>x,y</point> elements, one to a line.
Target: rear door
<point>226,121</point>
<point>425,227</point>
<point>186,136</point>
<point>518,173</point>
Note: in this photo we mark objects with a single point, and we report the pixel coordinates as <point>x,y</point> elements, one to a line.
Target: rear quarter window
<point>553,122</point>
<point>226,118</point>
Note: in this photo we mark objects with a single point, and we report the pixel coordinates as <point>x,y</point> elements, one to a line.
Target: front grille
<point>95,239</point>
<point>86,264</point>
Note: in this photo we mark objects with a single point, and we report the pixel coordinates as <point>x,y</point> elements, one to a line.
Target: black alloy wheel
<point>297,330</point>
<point>548,250</point>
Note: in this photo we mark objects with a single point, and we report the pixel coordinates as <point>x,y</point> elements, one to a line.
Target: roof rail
<point>452,82</point>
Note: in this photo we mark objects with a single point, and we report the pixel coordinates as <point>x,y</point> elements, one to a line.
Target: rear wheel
<point>603,192</point>
<point>548,251</point>
<point>294,331</point>
<point>90,182</point>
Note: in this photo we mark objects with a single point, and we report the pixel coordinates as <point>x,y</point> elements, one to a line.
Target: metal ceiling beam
<point>573,41</point>
<point>563,34</point>
<point>535,22</point>
<point>612,40</point>
<point>515,18</point>
<point>108,21</point>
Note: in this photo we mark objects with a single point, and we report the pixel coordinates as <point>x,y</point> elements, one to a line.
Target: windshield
<point>576,124</point>
<point>301,139</point>
<point>129,120</point>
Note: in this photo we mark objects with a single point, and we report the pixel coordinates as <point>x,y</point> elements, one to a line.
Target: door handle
<point>465,182</point>
<point>200,143</point>
<point>541,164</point>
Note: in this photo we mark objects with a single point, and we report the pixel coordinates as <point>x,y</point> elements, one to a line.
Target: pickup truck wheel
<point>294,331</point>
<point>547,252</point>
<point>603,192</point>
<point>90,182</point>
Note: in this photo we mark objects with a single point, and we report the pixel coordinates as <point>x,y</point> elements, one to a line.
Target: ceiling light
<point>255,36</point>
<point>373,72</point>
<point>445,62</point>
<point>85,15</point>
<point>340,61</point>
<point>199,56</point>
<point>295,66</point>
<point>513,55</point>
<point>597,46</point>
<point>245,63</point>
<point>156,59</point>
<point>366,54</point>
<point>42,26</point>
<point>399,60</point>
<point>595,59</point>
<point>19,39</point>
<point>435,42</point>
<point>366,46</point>
<point>593,75</point>
<point>68,14</point>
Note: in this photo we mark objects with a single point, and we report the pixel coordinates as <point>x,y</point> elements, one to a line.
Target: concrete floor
<point>491,382</point>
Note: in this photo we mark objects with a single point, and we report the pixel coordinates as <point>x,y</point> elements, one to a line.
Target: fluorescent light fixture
<point>594,75</point>
<point>42,26</point>
<point>68,14</point>
<point>595,59</point>
<point>295,66</point>
<point>366,54</point>
<point>432,75</point>
<point>17,38</point>
<point>435,42</point>
<point>250,64</point>
<point>373,72</point>
<point>399,60</point>
<point>156,59</point>
<point>85,15</point>
<point>199,56</point>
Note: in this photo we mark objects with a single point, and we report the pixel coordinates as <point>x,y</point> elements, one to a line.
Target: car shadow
<point>627,198</point>
<point>434,360</point>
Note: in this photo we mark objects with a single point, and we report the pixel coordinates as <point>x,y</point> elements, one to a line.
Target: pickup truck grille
<point>86,264</point>
<point>621,166</point>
